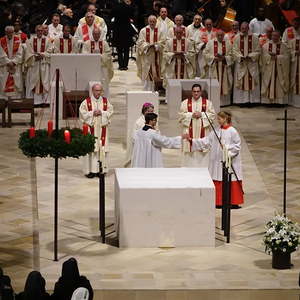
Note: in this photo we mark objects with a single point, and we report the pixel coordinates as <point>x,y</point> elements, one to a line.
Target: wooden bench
<point>71,103</point>
<point>3,103</point>
<point>21,106</point>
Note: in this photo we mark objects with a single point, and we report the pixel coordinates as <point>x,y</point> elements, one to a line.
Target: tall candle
<point>67,136</point>
<point>50,127</point>
<point>85,129</point>
<point>31,132</point>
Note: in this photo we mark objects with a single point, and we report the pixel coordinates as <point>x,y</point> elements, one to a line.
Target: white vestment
<point>182,67</point>
<point>38,73</point>
<point>220,70</point>
<point>11,81</point>
<point>201,38</point>
<point>65,46</point>
<point>275,73</point>
<point>192,30</point>
<point>294,46</point>
<point>147,148</point>
<point>171,32</point>
<point>100,23</point>
<point>231,139</point>
<point>100,127</point>
<point>101,47</point>
<point>164,25</point>
<point>260,27</point>
<point>290,33</point>
<point>55,32</point>
<point>196,128</point>
<point>84,33</point>
<point>150,46</point>
<point>246,71</point>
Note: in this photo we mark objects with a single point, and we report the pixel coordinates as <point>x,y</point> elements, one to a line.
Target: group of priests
<point>25,64</point>
<point>250,67</point>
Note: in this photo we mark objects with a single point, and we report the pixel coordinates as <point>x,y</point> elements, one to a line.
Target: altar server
<point>230,139</point>
<point>148,143</point>
<point>96,112</point>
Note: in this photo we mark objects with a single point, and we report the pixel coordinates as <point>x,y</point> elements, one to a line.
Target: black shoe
<point>90,175</point>
<point>218,206</point>
<point>235,206</point>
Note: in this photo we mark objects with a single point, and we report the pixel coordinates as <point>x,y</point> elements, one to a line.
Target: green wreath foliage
<point>55,146</point>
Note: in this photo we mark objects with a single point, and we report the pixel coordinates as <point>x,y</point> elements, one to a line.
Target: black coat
<point>122,30</point>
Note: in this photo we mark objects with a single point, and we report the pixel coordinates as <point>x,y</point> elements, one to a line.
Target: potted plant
<point>281,238</point>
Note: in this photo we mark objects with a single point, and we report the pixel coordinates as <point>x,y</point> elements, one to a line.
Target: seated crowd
<point>70,286</point>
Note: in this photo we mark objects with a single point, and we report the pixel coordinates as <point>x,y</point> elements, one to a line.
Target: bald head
<point>97,90</point>
<point>96,34</point>
<point>235,26</point>
<point>208,24</point>
<point>178,20</point>
<point>152,21</point>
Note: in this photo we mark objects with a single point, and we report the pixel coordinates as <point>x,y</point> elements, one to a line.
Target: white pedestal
<point>174,92</point>
<point>134,103</point>
<point>164,207</point>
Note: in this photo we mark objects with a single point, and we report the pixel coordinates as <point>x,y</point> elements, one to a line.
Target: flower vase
<point>281,260</point>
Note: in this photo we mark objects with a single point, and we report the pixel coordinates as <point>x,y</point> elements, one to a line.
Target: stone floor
<point>26,239</point>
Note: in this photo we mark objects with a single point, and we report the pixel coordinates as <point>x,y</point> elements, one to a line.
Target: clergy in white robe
<point>201,38</point>
<point>179,58</point>
<point>37,60</point>
<point>11,82</point>
<point>246,53</point>
<point>294,46</point>
<point>218,56</point>
<point>65,43</point>
<point>230,139</point>
<point>233,32</point>
<point>139,123</point>
<point>148,143</point>
<point>193,28</point>
<point>96,112</point>
<point>150,46</point>
<point>98,21</point>
<point>55,28</point>
<point>98,46</point>
<point>292,32</point>
<point>163,22</point>
<point>84,32</point>
<point>178,24</point>
<point>260,24</point>
<point>275,71</point>
<point>193,120</point>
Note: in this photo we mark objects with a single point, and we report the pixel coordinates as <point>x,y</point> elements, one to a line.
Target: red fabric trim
<point>85,32</point>
<point>290,33</point>
<point>10,84</point>
<point>61,45</point>
<point>237,196</point>
<point>147,35</point>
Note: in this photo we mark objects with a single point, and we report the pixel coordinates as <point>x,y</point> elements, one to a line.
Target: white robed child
<point>148,143</point>
<point>230,139</point>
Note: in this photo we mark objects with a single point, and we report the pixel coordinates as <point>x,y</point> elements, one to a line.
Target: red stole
<point>100,43</point>
<point>223,63</point>
<point>190,109</point>
<point>61,45</point>
<point>290,33</point>
<point>43,45</point>
<point>85,32</point>
<point>90,108</point>
<point>181,70</point>
<point>16,44</point>
<point>10,82</point>
<point>204,34</point>
<point>156,55</point>
<point>242,48</point>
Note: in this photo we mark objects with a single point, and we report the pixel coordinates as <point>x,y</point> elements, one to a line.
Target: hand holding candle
<point>67,136</point>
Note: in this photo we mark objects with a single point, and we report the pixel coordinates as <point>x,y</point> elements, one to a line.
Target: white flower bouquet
<point>282,235</point>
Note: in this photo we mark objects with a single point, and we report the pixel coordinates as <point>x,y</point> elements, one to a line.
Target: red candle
<point>67,136</point>
<point>85,129</point>
<point>31,132</point>
<point>50,127</point>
